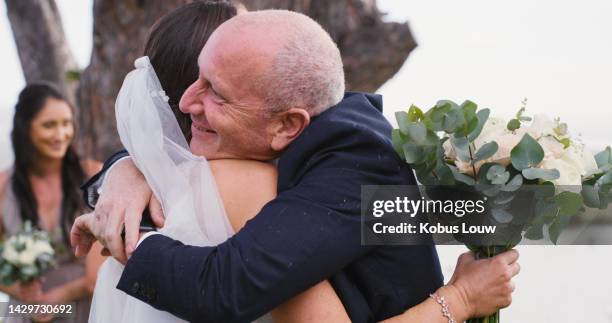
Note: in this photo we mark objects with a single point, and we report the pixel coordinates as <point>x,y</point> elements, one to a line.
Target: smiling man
<point>271,86</point>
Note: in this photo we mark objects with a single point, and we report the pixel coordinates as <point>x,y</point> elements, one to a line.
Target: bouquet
<point>461,146</point>
<point>25,256</point>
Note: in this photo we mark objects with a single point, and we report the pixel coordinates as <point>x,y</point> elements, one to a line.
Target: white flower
<point>575,163</point>
<point>541,125</point>
<point>41,247</point>
<point>27,257</point>
<point>9,253</point>
<point>552,147</point>
<point>570,177</point>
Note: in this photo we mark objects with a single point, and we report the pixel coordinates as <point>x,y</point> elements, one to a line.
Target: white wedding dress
<point>181,181</point>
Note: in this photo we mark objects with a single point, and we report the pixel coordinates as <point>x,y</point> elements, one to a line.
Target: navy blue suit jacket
<point>310,232</point>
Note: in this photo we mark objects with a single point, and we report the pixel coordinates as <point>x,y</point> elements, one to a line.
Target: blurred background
<point>555,53</point>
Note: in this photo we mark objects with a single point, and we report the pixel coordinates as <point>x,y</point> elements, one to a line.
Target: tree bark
<point>372,50</point>
<point>119,32</point>
<point>42,47</point>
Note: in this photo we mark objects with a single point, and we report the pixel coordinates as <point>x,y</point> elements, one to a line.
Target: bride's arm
<point>245,187</point>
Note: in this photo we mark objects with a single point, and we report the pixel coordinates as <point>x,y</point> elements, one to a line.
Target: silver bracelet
<point>445,311</point>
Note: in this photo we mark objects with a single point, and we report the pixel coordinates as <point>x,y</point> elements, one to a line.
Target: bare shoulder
<point>90,167</point>
<point>245,187</point>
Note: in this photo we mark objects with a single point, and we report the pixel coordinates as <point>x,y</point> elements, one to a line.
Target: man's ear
<point>287,126</point>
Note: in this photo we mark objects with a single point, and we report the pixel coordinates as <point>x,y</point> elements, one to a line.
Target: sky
<point>555,53</point>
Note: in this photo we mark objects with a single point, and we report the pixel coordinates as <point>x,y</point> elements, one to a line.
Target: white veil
<point>182,182</point>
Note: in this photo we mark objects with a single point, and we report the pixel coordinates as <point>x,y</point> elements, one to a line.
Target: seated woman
<point>43,187</point>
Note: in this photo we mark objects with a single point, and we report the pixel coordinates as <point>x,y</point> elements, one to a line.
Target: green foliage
<point>527,153</point>
<point>539,173</point>
<point>486,151</point>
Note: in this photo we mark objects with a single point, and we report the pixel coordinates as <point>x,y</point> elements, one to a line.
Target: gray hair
<point>307,70</point>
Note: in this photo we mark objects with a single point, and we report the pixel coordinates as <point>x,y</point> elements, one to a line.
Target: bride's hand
<point>124,197</point>
<point>485,285</point>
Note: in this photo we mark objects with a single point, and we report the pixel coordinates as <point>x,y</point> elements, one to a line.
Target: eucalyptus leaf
<point>461,146</point>
<point>527,153</point>
<point>413,153</point>
<point>604,157</point>
<point>483,116</point>
<point>569,203</point>
<point>555,228</point>
<point>486,151</point>
<point>514,184</point>
<point>462,177</point>
<point>498,175</point>
<point>590,195</point>
<point>402,121</point>
<point>415,114</point>
<point>417,132</point>
<point>513,124</point>
<point>545,174</point>
<point>501,215</point>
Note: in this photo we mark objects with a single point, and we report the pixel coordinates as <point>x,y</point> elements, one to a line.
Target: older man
<point>271,86</point>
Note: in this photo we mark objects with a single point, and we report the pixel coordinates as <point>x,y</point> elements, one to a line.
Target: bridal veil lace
<point>182,182</point>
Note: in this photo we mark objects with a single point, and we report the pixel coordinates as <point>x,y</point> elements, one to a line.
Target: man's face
<point>228,117</point>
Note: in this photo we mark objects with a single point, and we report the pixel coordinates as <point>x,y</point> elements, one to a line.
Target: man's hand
<point>485,285</point>
<point>124,197</point>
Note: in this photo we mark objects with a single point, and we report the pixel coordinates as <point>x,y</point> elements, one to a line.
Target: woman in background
<point>42,187</point>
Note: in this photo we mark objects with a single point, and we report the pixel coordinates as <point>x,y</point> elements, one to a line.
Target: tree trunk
<point>372,50</point>
<point>43,51</point>
<point>119,32</point>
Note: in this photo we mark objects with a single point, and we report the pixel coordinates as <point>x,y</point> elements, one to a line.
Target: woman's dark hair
<point>174,44</point>
<point>31,100</point>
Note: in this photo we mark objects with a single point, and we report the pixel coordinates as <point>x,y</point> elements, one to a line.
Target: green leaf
<point>545,174</point>
<point>569,203</point>
<point>555,228</point>
<point>413,153</point>
<point>590,195</point>
<point>565,142</point>
<point>501,215</point>
<point>461,146</point>
<point>535,231</point>
<point>604,157</point>
<point>483,116</point>
<point>498,175</point>
<point>402,121</point>
<point>486,151</point>
<point>513,124</point>
<point>514,184</point>
<point>415,114</point>
<point>462,177</point>
<point>527,153</point>
<point>417,132</point>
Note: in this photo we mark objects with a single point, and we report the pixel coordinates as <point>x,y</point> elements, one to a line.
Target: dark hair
<point>174,44</point>
<point>31,100</point>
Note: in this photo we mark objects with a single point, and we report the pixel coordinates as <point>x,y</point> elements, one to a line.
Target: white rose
<point>10,254</point>
<point>553,149</point>
<point>570,178</point>
<point>40,247</point>
<point>27,257</point>
<point>541,125</point>
<point>582,159</point>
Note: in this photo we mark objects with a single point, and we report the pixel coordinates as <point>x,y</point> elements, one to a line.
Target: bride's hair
<point>174,44</point>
